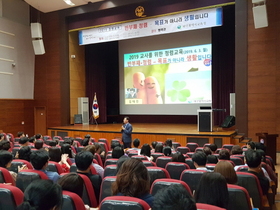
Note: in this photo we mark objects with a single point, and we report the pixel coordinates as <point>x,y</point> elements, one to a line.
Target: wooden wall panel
<point>263,76</point>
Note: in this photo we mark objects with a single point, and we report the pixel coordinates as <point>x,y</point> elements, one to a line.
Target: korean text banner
<point>155,26</point>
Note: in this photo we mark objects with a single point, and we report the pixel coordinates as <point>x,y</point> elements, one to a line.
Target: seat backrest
<point>99,160</point>
<point>190,154</point>
<point>6,177</point>
<point>10,197</point>
<point>242,168</point>
<point>270,162</point>
<point>210,166</point>
<point>26,176</point>
<point>148,163</point>
<point>54,166</point>
<point>189,162</point>
<point>237,160</point>
<point>111,161</point>
<point>238,198</point>
<point>123,202</point>
<point>71,201</point>
<point>240,156</point>
<point>79,139</point>
<point>132,153</point>
<point>228,146</point>
<point>192,177</point>
<point>140,157</point>
<point>162,161</point>
<point>89,197</point>
<point>176,144</point>
<point>155,155</point>
<point>106,187</point>
<point>110,170</point>
<point>199,149</point>
<point>73,168</point>
<point>105,144</point>
<point>159,184</point>
<point>251,183</point>
<point>175,169</point>
<point>192,146</point>
<point>205,206</point>
<point>183,150</point>
<point>157,173</point>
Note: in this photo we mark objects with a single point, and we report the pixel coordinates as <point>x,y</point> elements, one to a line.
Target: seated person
<point>67,149</point>
<point>178,157</point>
<point>168,143</point>
<point>212,159</point>
<point>39,160</point>
<point>253,159</point>
<point>251,145</point>
<point>98,168</point>
<point>117,152</point>
<point>167,151</point>
<point>146,151</point>
<point>56,156</point>
<point>136,143</point>
<point>213,148</point>
<point>5,145</point>
<point>83,162</point>
<point>38,144</point>
<point>42,195</point>
<point>199,160</point>
<point>153,144</point>
<point>226,169</point>
<point>224,154</point>
<point>159,148</point>
<point>24,141</point>
<point>174,197</point>
<point>24,153</point>
<point>133,180</point>
<point>236,150</point>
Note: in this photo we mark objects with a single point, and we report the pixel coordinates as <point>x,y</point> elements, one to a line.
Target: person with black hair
<point>236,150</point>
<point>72,182</point>
<point>83,162</point>
<point>146,151</point>
<point>42,195</point>
<point>167,151</point>
<point>67,149</point>
<point>86,141</point>
<point>98,168</point>
<point>173,197</point>
<point>24,153</point>
<point>153,144</point>
<point>159,148</point>
<point>168,143</point>
<point>224,154</point>
<point>39,160</point>
<point>117,152</point>
<point>56,156</point>
<point>24,141</point>
<point>213,147</point>
<point>212,189</point>
<point>126,130</point>
<point>178,157</point>
<point>121,160</point>
<point>2,136</point>
<point>20,134</point>
<point>136,143</point>
<point>253,159</point>
<point>5,145</point>
<point>38,144</point>
<point>115,144</point>
<point>251,145</point>
<point>199,160</point>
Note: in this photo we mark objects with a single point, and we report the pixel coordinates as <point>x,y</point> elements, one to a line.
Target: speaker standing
<point>126,133</point>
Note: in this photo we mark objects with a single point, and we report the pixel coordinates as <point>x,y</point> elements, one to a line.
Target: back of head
<point>154,144</point>
<point>207,151</point>
<point>38,136</point>
<point>136,143</point>
<point>214,184</point>
<point>224,154</point>
<point>5,145</point>
<point>115,144</point>
<point>251,145</point>
<point>53,143</point>
<point>159,148</point>
<point>20,134</point>
<point>168,142</point>
<point>178,157</point>
<point>24,153</point>
<point>90,148</point>
<point>146,150</point>
<point>32,139</point>
<point>200,158</point>
<point>253,158</point>
<point>39,158</point>
<point>66,149</point>
<point>261,146</point>
<point>173,197</point>
<point>83,160</point>
<point>41,195</point>
<point>213,147</point>
<point>55,154</point>
<point>72,182</point>
<point>212,159</point>
<point>39,144</point>
<point>117,152</point>
<point>132,179</point>
<point>23,140</point>
<point>5,158</point>
<point>167,151</point>
<point>226,169</point>
<point>121,160</point>
<point>236,150</point>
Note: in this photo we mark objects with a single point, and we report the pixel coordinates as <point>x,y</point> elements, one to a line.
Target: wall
<point>263,73</point>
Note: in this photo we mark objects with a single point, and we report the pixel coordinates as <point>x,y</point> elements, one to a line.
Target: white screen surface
<point>167,74</point>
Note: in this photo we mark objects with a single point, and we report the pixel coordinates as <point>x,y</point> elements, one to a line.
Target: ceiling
<point>54,5</point>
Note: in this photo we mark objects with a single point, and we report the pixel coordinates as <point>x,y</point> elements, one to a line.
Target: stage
<point>149,132</point>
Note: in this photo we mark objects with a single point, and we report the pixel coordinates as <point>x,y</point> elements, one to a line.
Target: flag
<point>95,108</point>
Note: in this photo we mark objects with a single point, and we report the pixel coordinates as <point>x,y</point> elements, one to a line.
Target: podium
<point>270,143</point>
<point>205,120</point>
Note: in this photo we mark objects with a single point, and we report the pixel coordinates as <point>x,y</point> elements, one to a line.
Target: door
<point>40,121</point>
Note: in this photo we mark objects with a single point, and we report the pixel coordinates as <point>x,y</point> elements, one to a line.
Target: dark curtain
<point>223,64</point>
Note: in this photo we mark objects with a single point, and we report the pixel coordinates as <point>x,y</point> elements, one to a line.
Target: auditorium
<point>183,74</point>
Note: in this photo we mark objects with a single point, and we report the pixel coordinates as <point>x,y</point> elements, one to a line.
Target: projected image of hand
<point>153,90</point>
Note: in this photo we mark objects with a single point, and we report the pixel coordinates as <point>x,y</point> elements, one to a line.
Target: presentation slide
<point>167,74</point>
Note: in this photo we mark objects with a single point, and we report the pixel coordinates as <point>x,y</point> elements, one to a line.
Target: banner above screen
<point>155,26</point>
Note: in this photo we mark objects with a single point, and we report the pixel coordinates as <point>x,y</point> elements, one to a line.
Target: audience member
<point>83,162</point>
<point>39,160</point>
<point>154,144</point>
<point>121,160</point>
<point>86,141</point>
<point>42,195</point>
<point>24,153</point>
<point>251,145</point>
<point>253,159</point>
<point>260,145</point>
<point>212,189</point>
<point>212,159</point>
<point>2,136</point>
<point>168,143</point>
<point>5,145</point>
<point>133,180</point>
<point>98,168</point>
<point>213,147</point>
<point>117,152</point>
<point>20,134</point>
<point>115,144</point>
<point>56,156</point>
<point>226,169</point>
<point>224,154</point>
<point>72,182</point>
<point>146,151</point>
<point>67,149</point>
<point>24,141</point>
<point>207,151</point>
<point>236,150</point>
<point>136,143</point>
<point>173,197</point>
<point>159,148</point>
<point>100,150</point>
<point>38,136</point>
<point>199,160</point>
<point>39,144</point>
<point>178,157</point>
<point>167,151</point>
